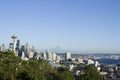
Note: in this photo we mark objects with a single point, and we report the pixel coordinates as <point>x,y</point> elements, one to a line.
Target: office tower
<point>18,44</point>
<point>23,55</point>
<point>44,55</point>
<point>33,49</point>
<point>3,47</point>
<point>27,48</point>
<point>54,56</point>
<point>58,58</point>
<point>31,54</point>
<point>11,46</point>
<point>67,56</point>
<point>49,55</point>
<point>36,55</point>
<point>23,48</point>
<point>17,51</point>
<point>14,38</point>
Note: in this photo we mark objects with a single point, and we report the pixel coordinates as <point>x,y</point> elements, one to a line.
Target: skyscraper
<point>18,44</point>
<point>31,54</point>
<point>27,48</point>
<point>67,56</point>
<point>54,55</point>
<point>3,47</point>
<point>49,55</point>
<point>44,55</point>
<point>18,51</point>
<point>23,48</point>
<point>11,46</point>
<point>33,48</point>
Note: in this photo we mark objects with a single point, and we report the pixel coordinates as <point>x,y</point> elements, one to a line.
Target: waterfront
<point>108,61</point>
<point>104,59</point>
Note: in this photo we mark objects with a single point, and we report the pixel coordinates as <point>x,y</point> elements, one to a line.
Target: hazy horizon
<point>60,25</point>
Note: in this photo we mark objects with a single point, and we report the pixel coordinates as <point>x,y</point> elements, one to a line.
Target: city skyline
<point>78,26</point>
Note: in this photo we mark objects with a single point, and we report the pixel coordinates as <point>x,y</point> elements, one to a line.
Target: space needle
<point>14,38</point>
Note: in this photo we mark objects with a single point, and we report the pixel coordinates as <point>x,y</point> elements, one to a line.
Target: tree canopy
<point>90,73</point>
<point>13,68</point>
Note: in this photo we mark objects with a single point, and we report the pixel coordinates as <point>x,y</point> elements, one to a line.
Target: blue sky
<point>74,25</point>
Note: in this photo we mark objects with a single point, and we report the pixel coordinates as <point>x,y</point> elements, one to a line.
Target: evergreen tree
<point>90,73</point>
<point>13,68</point>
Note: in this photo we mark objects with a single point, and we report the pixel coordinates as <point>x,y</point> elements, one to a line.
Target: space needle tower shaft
<point>14,38</point>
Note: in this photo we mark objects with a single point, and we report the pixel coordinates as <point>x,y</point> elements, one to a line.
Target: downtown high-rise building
<point>18,48</point>
<point>23,48</point>
<point>31,55</point>
<point>67,56</point>
<point>11,46</point>
<point>27,48</point>
<point>54,55</point>
<point>44,55</point>
<point>3,47</point>
<point>18,44</point>
<point>49,55</point>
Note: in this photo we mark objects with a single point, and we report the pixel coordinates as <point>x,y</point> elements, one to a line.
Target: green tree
<point>90,73</point>
<point>13,68</point>
<point>8,66</point>
<point>64,74</point>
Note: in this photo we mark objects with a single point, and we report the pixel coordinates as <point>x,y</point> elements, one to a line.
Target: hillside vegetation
<point>13,68</point>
